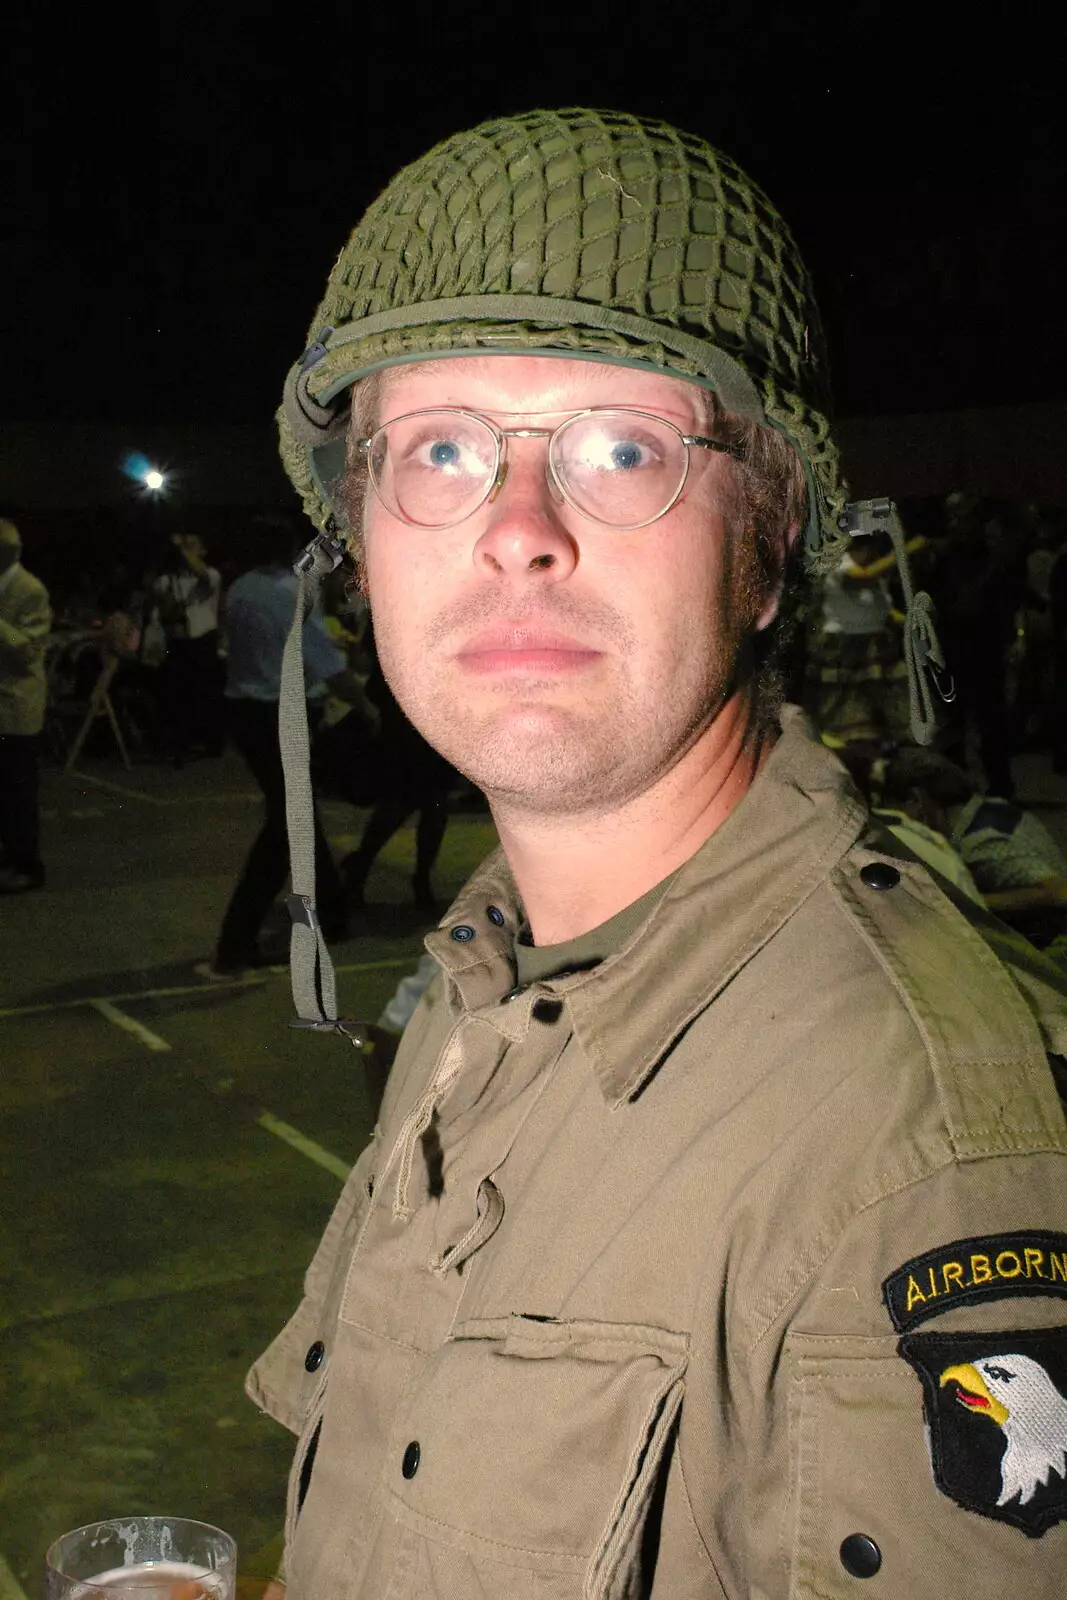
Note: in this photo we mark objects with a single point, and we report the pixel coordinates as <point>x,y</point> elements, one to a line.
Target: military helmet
<point>584,233</point>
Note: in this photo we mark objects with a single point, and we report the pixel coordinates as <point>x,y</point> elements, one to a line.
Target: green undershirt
<point>536,961</point>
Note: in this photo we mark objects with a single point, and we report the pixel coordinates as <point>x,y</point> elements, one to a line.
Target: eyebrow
<point>681,419</point>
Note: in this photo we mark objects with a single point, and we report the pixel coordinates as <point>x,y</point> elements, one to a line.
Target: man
<point>188,593</point>
<point>1057,600</point>
<point>258,612</point>
<point>859,680</point>
<point>25,622</point>
<point>1014,861</point>
<point>981,587</point>
<point>722,1165</point>
<point>408,776</point>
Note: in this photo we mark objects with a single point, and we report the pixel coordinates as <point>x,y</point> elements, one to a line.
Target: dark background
<point>181,178</point>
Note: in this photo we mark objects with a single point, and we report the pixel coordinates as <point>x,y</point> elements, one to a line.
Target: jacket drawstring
<point>418,1120</point>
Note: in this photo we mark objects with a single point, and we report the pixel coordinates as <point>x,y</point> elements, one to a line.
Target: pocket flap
<point>540,1440</point>
<point>544,1338</point>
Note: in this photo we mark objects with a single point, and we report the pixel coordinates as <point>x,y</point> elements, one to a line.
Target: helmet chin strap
<point>311,970</point>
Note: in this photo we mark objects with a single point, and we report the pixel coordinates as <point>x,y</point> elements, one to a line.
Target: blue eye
<point>443,453</point>
<point>625,454</point>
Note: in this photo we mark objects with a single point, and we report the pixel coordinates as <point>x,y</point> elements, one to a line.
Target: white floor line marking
<point>254,980</point>
<point>157,799</point>
<point>411,961</point>
<point>249,982</point>
<point>306,1146</point>
<point>128,1024</point>
<point>88,1305</point>
<point>10,1587</point>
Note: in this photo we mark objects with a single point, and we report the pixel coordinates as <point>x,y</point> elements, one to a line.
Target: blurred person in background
<point>1057,603</point>
<point>1019,869</point>
<point>407,775</point>
<point>897,815</point>
<point>258,613</point>
<point>858,683</point>
<point>25,622</point>
<point>187,594</point>
<point>980,587</point>
<point>1031,710</point>
<point>389,767</point>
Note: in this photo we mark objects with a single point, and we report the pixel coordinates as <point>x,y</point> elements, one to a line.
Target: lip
<point>517,648</point>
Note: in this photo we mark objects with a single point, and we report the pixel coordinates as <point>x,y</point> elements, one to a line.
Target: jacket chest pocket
<point>864,1487</point>
<point>539,1445</point>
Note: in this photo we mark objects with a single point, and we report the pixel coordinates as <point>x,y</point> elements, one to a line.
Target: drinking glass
<point>146,1558</point>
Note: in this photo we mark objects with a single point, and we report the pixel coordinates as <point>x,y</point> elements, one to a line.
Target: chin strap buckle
<point>357,1033</point>
<point>322,555</point>
<point>302,911</point>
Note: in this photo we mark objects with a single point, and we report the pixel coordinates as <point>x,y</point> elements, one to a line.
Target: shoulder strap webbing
<point>314,985</point>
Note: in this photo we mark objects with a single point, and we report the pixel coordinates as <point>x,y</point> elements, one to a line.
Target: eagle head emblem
<point>1015,1393</point>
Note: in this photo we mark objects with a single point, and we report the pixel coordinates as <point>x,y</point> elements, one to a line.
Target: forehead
<point>527,384</point>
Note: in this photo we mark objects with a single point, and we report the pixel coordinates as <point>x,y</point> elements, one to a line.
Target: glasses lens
<point>433,468</point>
<point>619,467</point>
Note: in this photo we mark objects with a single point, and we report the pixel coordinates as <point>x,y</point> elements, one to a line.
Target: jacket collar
<point>798,819</point>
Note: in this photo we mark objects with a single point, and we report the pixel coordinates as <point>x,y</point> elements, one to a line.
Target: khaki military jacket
<point>25,622</point>
<point>736,1266</point>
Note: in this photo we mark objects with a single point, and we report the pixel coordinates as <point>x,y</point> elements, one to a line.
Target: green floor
<point>153,1233</point>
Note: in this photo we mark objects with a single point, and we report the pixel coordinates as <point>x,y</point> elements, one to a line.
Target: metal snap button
<point>315,1356</point>
<point>879,875</point>
<point>410,1464</point>
<point>513,994</point>
<point>496,916</point>
<point>463,933</point>
<point>860,1556</point>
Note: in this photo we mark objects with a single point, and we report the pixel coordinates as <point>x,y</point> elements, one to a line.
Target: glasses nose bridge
<point>525,433</point>
<point>504,435</point>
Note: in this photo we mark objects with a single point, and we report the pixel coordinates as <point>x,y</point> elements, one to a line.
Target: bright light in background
<point>136,465</point>
<point>140,470</point>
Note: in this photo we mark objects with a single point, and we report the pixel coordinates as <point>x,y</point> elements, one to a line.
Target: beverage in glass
<point>147,1558</point>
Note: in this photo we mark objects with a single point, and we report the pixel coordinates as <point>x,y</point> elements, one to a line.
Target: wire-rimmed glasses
<point>618,466</point>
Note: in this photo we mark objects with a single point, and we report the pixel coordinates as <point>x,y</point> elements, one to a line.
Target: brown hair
<point>767,496</point>
<point>767,506</point>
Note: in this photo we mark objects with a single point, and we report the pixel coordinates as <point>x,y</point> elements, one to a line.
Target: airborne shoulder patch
<point>990,1267</point>
<point>996,1415</point>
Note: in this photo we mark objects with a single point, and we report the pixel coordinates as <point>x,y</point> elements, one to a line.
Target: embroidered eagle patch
<point>996,1413</point>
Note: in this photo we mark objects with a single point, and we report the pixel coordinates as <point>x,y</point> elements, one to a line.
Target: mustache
<point>593,621</point>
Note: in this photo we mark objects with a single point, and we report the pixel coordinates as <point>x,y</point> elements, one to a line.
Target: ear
<point>776,576</point>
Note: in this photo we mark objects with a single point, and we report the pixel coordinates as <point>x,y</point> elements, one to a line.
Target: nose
<point>523,535</point>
